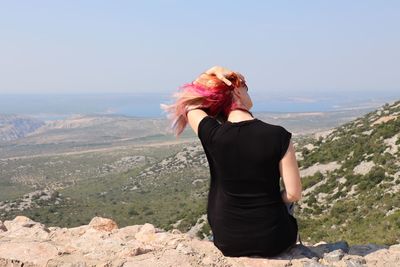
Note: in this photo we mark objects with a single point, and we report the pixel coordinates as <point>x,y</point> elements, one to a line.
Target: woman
<point>246,208</point>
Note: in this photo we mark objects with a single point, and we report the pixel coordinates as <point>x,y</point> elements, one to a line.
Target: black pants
<point>289,206</point>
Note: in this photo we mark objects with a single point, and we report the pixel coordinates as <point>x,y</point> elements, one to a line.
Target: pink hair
<point>210,93</point>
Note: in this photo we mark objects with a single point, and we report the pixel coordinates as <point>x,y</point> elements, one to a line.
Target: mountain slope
<point>358,198</point>
<point>350,177</point>
<point>16,126</point>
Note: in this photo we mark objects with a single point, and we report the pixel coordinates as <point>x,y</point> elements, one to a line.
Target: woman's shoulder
<point>275,128</point>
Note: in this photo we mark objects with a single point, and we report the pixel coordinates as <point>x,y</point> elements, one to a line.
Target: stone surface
<point>103,224</point>
<point>333,256</point>
<point>24,242</point>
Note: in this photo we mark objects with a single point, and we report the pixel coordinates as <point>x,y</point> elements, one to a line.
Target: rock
<point>185,249</point>
<point>13,262</point>
<point>208,261</point>
<point>314,264</point>
<point>321,248</point>
<point>103,224</point>
<point>28,223</point>
<point>134,248</point>
<point>146,233</point>
<point>29,251</point>
<point>353,261</point>
<point>395,247</point>
<point>23,228</point>
<point>334,256</point>
<point>18,222</point>
<point>127,233</point>
<point>102,243</point>
<point>382,256</point>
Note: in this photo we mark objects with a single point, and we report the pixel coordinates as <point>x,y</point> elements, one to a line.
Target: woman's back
<point>245,209</point>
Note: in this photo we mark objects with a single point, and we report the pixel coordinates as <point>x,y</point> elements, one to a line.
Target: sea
<point>55,106</point>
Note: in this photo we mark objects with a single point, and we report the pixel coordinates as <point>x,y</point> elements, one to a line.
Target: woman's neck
<point>240,114</point>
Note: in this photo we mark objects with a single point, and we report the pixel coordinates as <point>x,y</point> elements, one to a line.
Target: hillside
<point>351,179</point>
<point>24,136</point>
<point>16,126</point>
<point>350,176</point>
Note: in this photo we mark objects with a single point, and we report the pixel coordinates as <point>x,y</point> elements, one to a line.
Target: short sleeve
<point>285,137</point>
<point>206,129</point>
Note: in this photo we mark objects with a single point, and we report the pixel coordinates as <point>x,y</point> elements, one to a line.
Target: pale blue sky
<point>155,46</point>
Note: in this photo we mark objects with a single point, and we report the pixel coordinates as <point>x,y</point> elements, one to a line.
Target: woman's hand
<point>222,74</point>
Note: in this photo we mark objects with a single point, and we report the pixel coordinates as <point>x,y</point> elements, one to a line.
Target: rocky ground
<point>24,242</point>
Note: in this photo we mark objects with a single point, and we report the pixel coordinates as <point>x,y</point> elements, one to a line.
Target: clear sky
<point>155,46</point>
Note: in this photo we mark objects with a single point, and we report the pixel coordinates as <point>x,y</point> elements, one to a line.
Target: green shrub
<point>132,211</point>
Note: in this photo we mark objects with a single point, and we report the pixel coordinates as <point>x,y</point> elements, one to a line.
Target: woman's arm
<point>195,114</point>
<point>291,176</point>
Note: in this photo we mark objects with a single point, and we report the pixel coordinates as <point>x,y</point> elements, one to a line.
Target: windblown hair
<point>209,93</point>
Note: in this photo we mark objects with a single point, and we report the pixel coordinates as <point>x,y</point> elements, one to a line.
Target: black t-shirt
<point>245,210</point>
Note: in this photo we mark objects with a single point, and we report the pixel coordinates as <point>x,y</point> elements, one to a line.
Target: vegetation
<point>169,184</point>
<point>362,208</point>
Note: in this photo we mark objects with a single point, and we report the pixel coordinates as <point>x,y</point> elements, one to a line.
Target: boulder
<point>103,224</point>
<point>25,242</point>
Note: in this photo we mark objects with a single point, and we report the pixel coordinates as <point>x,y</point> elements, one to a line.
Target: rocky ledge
<point>24,242</point>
